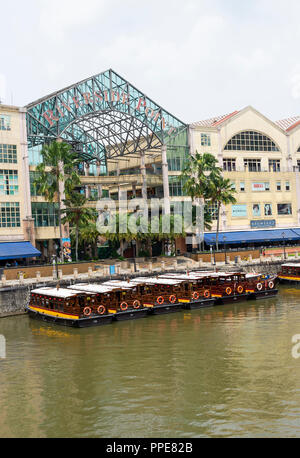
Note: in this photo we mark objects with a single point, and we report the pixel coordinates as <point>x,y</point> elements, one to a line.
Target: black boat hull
<point>74,323</point>
<point>132,314</point>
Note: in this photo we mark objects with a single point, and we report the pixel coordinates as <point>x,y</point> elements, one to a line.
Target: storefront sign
<point>263,223</point>
<point>260,186</point>
<point>239,211</point>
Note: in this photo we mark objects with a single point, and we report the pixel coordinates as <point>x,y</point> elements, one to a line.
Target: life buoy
<point>271,284</point>
<point>206,293</point>
<point>240,289</point>
<point>87,311</point>
<point>259,286</point>
<point>196,295</point>
<point>228,291</point>
<point>124,306</point>
<point>136,304</point>
<point>172,299</point>
<point>101,309</point>
<point>160,300</point>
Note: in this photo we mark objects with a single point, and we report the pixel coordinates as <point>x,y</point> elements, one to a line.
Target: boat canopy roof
<point>56,292</point>
<point>157,281</point>
<point>291,264</point>
<point>94,288</point>
<point>120,284</point>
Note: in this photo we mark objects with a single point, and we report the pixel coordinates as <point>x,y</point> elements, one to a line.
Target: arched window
<point>250,140</point>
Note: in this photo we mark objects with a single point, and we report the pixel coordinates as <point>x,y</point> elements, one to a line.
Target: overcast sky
<point>195,58</point>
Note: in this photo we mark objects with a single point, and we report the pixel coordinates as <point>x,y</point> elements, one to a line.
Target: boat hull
<point>199,304</point>
<point>246,296</point>
<point>289,280</point>
<point>96,320</point>
<point>132,314</point>
<point>165,308</point>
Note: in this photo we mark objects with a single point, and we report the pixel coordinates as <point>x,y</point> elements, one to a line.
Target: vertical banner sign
<point>67,249</point>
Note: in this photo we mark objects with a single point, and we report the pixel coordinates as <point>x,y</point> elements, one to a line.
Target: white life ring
<point>271,284</point>
<point>259,286</point>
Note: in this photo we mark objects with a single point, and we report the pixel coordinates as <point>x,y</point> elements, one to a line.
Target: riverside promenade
<point>14,293</point>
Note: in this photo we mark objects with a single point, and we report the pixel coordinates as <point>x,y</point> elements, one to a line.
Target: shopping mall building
<point>127,142</point>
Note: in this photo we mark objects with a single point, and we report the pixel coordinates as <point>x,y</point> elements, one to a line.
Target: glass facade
<point>44,214</point>
<point>250,141</point>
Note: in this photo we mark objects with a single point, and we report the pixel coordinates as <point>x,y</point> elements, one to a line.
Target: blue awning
<point>244,237</point>
<point>17,250</point>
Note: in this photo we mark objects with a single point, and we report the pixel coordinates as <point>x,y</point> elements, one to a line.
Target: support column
<point>98,165</point>
<point>144,176</point>
<point>28,221</point>
<point>165,173</point>
<point>86,172</point>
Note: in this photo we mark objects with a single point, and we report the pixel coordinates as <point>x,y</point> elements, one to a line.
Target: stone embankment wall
<point>13,299</point>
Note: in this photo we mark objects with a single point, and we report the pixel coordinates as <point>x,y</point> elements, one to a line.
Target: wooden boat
<point>226,287</point>
<point>165,295</point>
<point>121,299</point>
<point>67,307</point>
<point>289,273</point>
<point>197,294</point>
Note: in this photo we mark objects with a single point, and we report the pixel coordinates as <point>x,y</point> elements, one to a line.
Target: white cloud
<point>197,58</point>
<point>58,17</point>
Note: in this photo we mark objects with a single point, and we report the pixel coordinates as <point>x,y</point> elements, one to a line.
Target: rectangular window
<point>253,165</point>
<point>268,209</point>
<point>8,154</point>
<point>242,186</point>
<point>9,183</point>
<point>45,214</point>
<point>233,185</point>
<point>212,209</point>
<point>10,214</point>
<point>229,165</point>
<point>298,164</point>
<point>176,186</point>
<point>274,165</point>
<point>256,209</point>
<point>34,191</point>
<point>205,140</point>
<point>284,209</point>
<point>261,186</point>
<point>287,186</point>
<point>278,185</point>
<point>176,162</point>
<point>5,122</point>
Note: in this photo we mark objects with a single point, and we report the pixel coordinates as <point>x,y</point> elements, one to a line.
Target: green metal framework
<point>102,117</point>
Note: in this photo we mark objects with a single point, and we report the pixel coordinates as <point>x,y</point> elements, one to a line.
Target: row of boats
<point>90,304</point>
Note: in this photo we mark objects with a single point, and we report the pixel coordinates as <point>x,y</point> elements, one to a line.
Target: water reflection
<point>224,371</point>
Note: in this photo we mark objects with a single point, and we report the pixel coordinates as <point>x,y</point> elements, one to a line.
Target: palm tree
<point>221,193</point>
<point>88,233</point>
<point>57,176</point>
<point>77,215</point>
<point>199,174</point>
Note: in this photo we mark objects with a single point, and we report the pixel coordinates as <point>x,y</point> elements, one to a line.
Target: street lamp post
<point>134,253</point>
<point>55,263</point>
<point>224,240</point>
<point>284,253</point>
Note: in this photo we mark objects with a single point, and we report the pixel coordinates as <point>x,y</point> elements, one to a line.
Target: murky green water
<point>221,372</point>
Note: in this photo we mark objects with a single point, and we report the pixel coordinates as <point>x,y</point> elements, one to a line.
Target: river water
<point>226,371</point>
